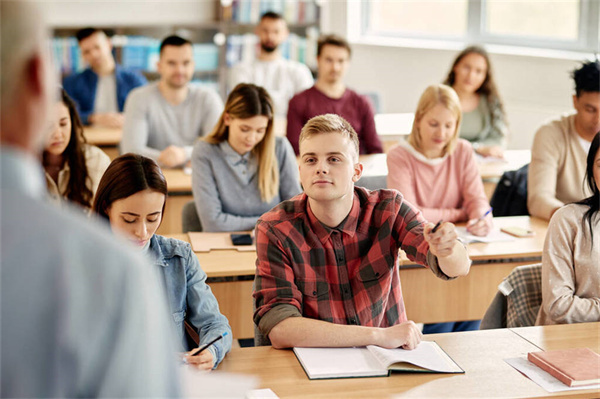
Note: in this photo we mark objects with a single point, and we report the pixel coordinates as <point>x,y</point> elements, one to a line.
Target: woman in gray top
<point>241,170</point>
<point>484,122</point>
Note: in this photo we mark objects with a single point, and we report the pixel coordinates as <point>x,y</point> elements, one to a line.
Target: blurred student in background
<point>560,146</point>
<point>483,119</point>
<point>101,89</point>
<point>73,167</point>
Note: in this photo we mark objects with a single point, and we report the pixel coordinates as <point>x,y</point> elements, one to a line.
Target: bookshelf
<point>219,42</point>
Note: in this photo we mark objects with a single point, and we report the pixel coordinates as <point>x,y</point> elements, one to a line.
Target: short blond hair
<point>329,123</point>
<point>432,96</point>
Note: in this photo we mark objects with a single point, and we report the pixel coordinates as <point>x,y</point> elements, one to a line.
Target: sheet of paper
<point>215,384</point>
<point>494,236</point>
<point>542,378</point>
<point>261,394</point>
<point>427,355</point>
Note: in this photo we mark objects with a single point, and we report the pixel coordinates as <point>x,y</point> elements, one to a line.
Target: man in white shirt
<point>164,119</point>
<point>82,315</point>
<point>282,78</point>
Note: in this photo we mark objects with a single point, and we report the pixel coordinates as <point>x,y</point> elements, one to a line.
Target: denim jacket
<point>190,298</point>
<point>82,88</point>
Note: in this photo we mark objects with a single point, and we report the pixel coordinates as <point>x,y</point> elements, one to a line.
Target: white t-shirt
<point>584,144</point>
<point>106,95</point>
<point>281,78</point>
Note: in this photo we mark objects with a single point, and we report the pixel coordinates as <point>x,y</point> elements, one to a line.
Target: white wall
<point>534,88</point>
<point>66,13</point>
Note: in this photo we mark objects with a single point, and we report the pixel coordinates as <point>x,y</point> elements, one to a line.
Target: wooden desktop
<point>480,354</point>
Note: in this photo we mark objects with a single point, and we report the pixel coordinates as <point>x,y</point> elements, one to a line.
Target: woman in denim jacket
<point>131,196</point>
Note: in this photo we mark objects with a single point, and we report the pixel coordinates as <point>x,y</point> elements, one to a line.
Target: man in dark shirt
<point>327,268</point>
<point>330,95</point>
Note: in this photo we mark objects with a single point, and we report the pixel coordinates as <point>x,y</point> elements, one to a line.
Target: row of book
<point>136,52</point>
<point>142,53</point>
<point>243,48</point>
<point>293,11</point>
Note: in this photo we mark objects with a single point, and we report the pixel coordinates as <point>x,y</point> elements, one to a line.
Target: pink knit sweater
<point>447,188</point>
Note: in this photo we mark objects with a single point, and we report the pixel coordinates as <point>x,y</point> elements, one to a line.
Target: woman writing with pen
<point>131,197</point>
<point>436,171</point>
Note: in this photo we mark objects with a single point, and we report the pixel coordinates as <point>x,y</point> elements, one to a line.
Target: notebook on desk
<point>374,361</point>
<point>206,242</point>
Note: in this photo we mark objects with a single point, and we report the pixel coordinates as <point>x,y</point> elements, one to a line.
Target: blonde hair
<point>246,101</point>
<point>432,96</point>
<point>330,123</point>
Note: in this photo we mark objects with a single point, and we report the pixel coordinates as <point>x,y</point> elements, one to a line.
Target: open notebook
<point>374,361</point>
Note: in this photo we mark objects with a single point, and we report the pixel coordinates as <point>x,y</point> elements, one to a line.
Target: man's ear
<point>358,171</point>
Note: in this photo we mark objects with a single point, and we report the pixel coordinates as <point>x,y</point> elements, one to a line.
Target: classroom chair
<point>517,301</point>
<point>189,218</point>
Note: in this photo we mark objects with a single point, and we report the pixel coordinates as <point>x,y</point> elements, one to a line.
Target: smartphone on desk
<point>241,239</point>
<point>517,231</point>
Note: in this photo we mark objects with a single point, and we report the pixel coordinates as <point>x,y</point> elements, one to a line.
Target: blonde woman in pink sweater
<point>436,171</point>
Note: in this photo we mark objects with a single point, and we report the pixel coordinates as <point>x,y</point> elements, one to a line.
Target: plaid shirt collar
<point>347,226</point>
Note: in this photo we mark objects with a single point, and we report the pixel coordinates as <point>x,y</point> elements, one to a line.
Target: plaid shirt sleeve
<point>408,231</point>
<point>276,296</point>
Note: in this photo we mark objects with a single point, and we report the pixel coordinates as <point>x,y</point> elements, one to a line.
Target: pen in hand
<point>437,226</point>
<point>204,347</point>
<point>487,213</point>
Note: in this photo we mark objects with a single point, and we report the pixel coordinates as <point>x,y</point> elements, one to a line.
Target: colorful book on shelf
<point>374,361</point>
<point>573,367</point>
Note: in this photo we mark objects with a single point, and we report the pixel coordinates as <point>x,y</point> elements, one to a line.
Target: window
<point>557,24</point>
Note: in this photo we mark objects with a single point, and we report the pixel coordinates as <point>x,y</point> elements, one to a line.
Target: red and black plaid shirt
<point>345,275</point>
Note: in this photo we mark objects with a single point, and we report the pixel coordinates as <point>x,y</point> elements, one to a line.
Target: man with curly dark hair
<point>560,148</point>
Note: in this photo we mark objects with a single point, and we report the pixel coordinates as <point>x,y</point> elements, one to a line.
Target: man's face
<point>176,65</point>
<point>328,166</point>
<point>271,33</point>
<point>587,119</point>
<point>333,63</point>
<point>96,50</point>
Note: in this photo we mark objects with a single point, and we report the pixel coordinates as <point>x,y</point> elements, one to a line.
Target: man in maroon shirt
<point>327,267</point>
<point>330,95</point>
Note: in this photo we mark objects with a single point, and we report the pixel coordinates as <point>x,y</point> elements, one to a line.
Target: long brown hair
<point>246,101</point>
<point>125,176</point>
<point>77,187</point>
<point>488,87</point>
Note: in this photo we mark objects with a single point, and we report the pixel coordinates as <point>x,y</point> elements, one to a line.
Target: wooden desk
<point>480,353</point>
<point>104,137</point>
<point>179,183</point>
<point>427,298</point>
<point>376,164</point>
<point>558,337</point>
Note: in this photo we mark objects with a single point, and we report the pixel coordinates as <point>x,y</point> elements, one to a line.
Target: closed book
<point>573,367</point>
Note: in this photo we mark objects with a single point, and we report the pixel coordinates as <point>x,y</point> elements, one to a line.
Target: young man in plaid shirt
<point>327,267</point>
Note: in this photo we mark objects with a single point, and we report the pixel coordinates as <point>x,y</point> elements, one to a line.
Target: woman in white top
<point>73,167</point>
<point>571,257</point>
